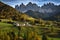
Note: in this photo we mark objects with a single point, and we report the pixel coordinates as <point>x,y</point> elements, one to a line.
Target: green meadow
<point>26,31</point>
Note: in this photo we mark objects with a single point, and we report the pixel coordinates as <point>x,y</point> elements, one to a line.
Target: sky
<point>38,2</point>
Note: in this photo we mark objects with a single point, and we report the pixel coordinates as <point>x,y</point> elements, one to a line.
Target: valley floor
<point>28,33</point>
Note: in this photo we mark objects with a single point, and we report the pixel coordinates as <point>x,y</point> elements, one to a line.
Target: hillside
<point>37,14</point>
<point>44,16</point>
<point>56,17</point>
<point>7,12</point>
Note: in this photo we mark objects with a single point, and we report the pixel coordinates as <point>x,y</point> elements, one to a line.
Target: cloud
<point>30,0</point>
<point>8,0</point>
<point>39,2</point>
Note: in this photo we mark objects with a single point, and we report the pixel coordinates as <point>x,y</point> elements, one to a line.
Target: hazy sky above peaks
<point>38,2</point>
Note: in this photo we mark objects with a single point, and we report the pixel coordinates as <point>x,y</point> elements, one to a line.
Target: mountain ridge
<point>47,11</point>
<point>48,8</point>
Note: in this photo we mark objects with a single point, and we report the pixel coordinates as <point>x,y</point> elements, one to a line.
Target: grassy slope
<point>4,27</point>
<point>54,38</point>
<point>7,12</point>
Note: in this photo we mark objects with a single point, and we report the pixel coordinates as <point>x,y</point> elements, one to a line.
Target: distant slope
<point>56,17</point>
<point>7,12</point>
<point>32,13</point>
<point>36,14</point>
<point>45,16</point>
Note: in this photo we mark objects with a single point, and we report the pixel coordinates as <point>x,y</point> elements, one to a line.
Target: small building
<point>21,24</point>
<point>27,24</point>
<point>16,24</point>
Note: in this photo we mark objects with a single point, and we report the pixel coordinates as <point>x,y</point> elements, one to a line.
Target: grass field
<point>53,38</point>
<point>5,28</point>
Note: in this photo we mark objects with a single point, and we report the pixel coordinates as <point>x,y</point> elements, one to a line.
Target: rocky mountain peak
<point>22,4</point>
<point>29,4</point>
<point>46,8</point>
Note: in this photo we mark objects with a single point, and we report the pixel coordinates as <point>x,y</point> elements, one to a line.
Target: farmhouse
<point>16,24</point>
<point>21,24</point>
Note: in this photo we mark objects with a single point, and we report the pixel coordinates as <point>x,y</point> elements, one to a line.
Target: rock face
<point>29,6</point>
<point>49,8</point>
<point>46,8</point>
